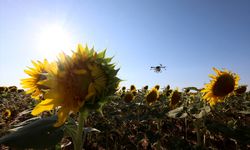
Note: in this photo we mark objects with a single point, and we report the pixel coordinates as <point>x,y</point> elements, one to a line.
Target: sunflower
<point>241,90</point>
<point>152,95</point>
<point>167,91</point>
<point>80,80</point>
<point>3,89</point>
<point>6,114</point>
<point>157,87</point>
<point>222,85</point>
<point>123,88</point>
<point>12,89</point>
<point>175,98</point>
<point>128,97</point>
<point>133,90</point>
<point>145,88</point>
<point>37,75</point>
<point>168,87</point>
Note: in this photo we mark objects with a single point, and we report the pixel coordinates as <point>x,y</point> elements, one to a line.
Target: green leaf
<point>176,112</point>
<point>242,134</point>
<point>192,88</point>
<point>90,129</point>
<point>183,115</point>
<point>207,109</point>
<point>26,122</point>
<point>200,115</point>
<point>70,127</point>
<point>38,134</point>
<point>244,112</point>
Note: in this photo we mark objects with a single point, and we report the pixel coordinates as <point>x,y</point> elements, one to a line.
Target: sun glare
<point>52,40</point>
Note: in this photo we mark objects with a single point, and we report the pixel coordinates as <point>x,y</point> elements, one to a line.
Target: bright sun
<point>52,40</point>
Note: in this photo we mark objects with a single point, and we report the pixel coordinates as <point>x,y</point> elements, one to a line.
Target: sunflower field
<point>76,103</point>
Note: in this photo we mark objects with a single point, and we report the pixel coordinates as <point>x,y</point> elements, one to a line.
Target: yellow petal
<point>37,97</point>
<point>212,76</point>
<point>52,94</point>
<point>80,48</point>
<point>52,68</point>
<point>29,72</point>
<point>91,91</point>
<point>45,105</point>
<point>62,116</point>
<point>35,64</point>
<point>36,93</point>
<point>216,71</point>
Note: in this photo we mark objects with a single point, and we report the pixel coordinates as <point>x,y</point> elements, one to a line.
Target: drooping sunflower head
<point>241,89</point>
<point>145,88</point>
<point>37,76</point>
<point>175,98</point>
<point>167,91</point>
<point>222,85</point>
<point>123,88</point>
<point>3,89</point>
<point>81,80</point>
<point>128,97</point>
<point>157,87</point>
<point>152,96</point>
<point>132,88</point>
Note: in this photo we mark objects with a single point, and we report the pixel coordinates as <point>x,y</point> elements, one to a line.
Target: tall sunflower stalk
<point>77,83</point>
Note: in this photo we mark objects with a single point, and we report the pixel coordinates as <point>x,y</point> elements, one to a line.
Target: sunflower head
<point>6,114</point>
<point>132,88</point>
<point>123,88</point>
<point>167,91</point>
<point>37,76</point>
<point>128,97</point>
<point>152,96</point>
<point>12,89</point>
<point>222,85</point>
<point>145,88</point>
<point>241,89</point>
<point>186,90</point>
<point>82,80</point>
<point>157,87</point>
<point>175,98</point>
<point>3,89</point>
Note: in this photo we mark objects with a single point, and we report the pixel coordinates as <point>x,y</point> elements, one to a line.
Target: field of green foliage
<point>128,121</point>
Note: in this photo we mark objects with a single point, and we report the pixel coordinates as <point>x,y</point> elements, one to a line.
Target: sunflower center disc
<point>224,85</point>
<point>175,98</point>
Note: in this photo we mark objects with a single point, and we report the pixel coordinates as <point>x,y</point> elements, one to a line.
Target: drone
<point>158,69</point>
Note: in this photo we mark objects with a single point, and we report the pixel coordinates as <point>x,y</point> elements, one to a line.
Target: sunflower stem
<point>198,136</point>
<point>79,140</point>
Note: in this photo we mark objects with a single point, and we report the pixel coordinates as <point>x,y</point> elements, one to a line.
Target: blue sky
<point>188,36</point>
